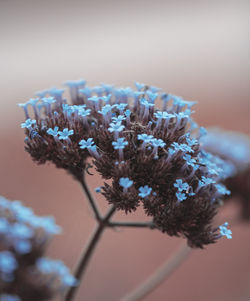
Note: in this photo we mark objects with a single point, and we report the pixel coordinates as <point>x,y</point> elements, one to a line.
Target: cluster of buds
<point>25,274</point>
<point>152,155</point>
<point>234,148</point>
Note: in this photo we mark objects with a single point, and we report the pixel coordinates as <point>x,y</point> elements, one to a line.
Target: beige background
<point>196,49</point>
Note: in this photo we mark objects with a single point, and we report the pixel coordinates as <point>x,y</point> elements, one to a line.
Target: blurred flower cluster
<point>234,148</point>
<point>25,274</point>
<point>149,156</point>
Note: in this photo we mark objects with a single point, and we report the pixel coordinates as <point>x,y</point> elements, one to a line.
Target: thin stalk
<point>160,275</point>
<point>90,199</point>
<point>88,252</point>
<point>149,225</point>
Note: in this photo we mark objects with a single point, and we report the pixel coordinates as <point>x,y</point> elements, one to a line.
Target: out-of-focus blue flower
<point>28,123</point>
<point>56,92</point>
<point>139,86</point>
<point>75,83</point>
<point>222,189</point>
<point>105,109</point>
<point>8,263</point>
<point>50,266</point>
<point>94,99</point>
<point>120,106</point>
<point>119,118</point>
<point>224,231</point>
<point>84,112</point>
<point>144,191</point>
<point>48,100</point>
<point>145,103</point>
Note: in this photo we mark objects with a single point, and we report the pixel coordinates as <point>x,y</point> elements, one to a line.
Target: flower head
<point>119,118</point>
<point>144,191</point>
<point>125,182</point>
<point>120,143</point>
<point>224,231</point>
<point>64,135</point>
<point>86,143</point>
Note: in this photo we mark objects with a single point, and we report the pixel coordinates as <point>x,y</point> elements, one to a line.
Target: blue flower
<point>8,263</point>
<point>127,113</point>
<point>139,86</point>
<point>28,123</point>
<point>105,109</point>
<point>222,189</point>
<point>182,147</point>
<point>84,112</point>
<point>191,141</point>
<point>203,131</point>
<point>120,143</point>
<point>64,135</point>
<point>125,182</point>
<point>48,100</point>
<point>119,118</point>
<point>106,98</point>
<point>41,93</point>
<point>121,106</point>
<point>180,196</point>
<point>52,132</point>
<point>224,231</point>
<point>75,83</point>
<point>158,142</point>
<point>94,99</point>
<point>86,143</point>
<point>180,185</point>
<point>107,88</point>
<point>86,91</point>
<point>21,231</point>
<point>50,266</point>
<point>145,138</point>
<point>98,189</point>
<point>56,92</point>
<point>189,160</point>
<point>144,191</point>
<point>152,96</point>
<point>207,181</point>
<point>115,127</point>
<point>22,246</point>
<point>33,101</point>
<point>145,103</point>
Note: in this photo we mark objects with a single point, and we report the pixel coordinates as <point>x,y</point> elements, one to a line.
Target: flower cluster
<point>233,147</point>
<point>23,239</point>
<point>152,155</point>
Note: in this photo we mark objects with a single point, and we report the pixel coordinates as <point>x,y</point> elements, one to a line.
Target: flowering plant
<point>148,156</point>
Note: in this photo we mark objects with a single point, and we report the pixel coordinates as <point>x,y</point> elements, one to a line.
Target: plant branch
<point>160,275</point>
<point>88,252</point>
<point>90,199</point>
<point>149,225</point>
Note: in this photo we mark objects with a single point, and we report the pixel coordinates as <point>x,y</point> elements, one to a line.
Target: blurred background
<point>195,49</point>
